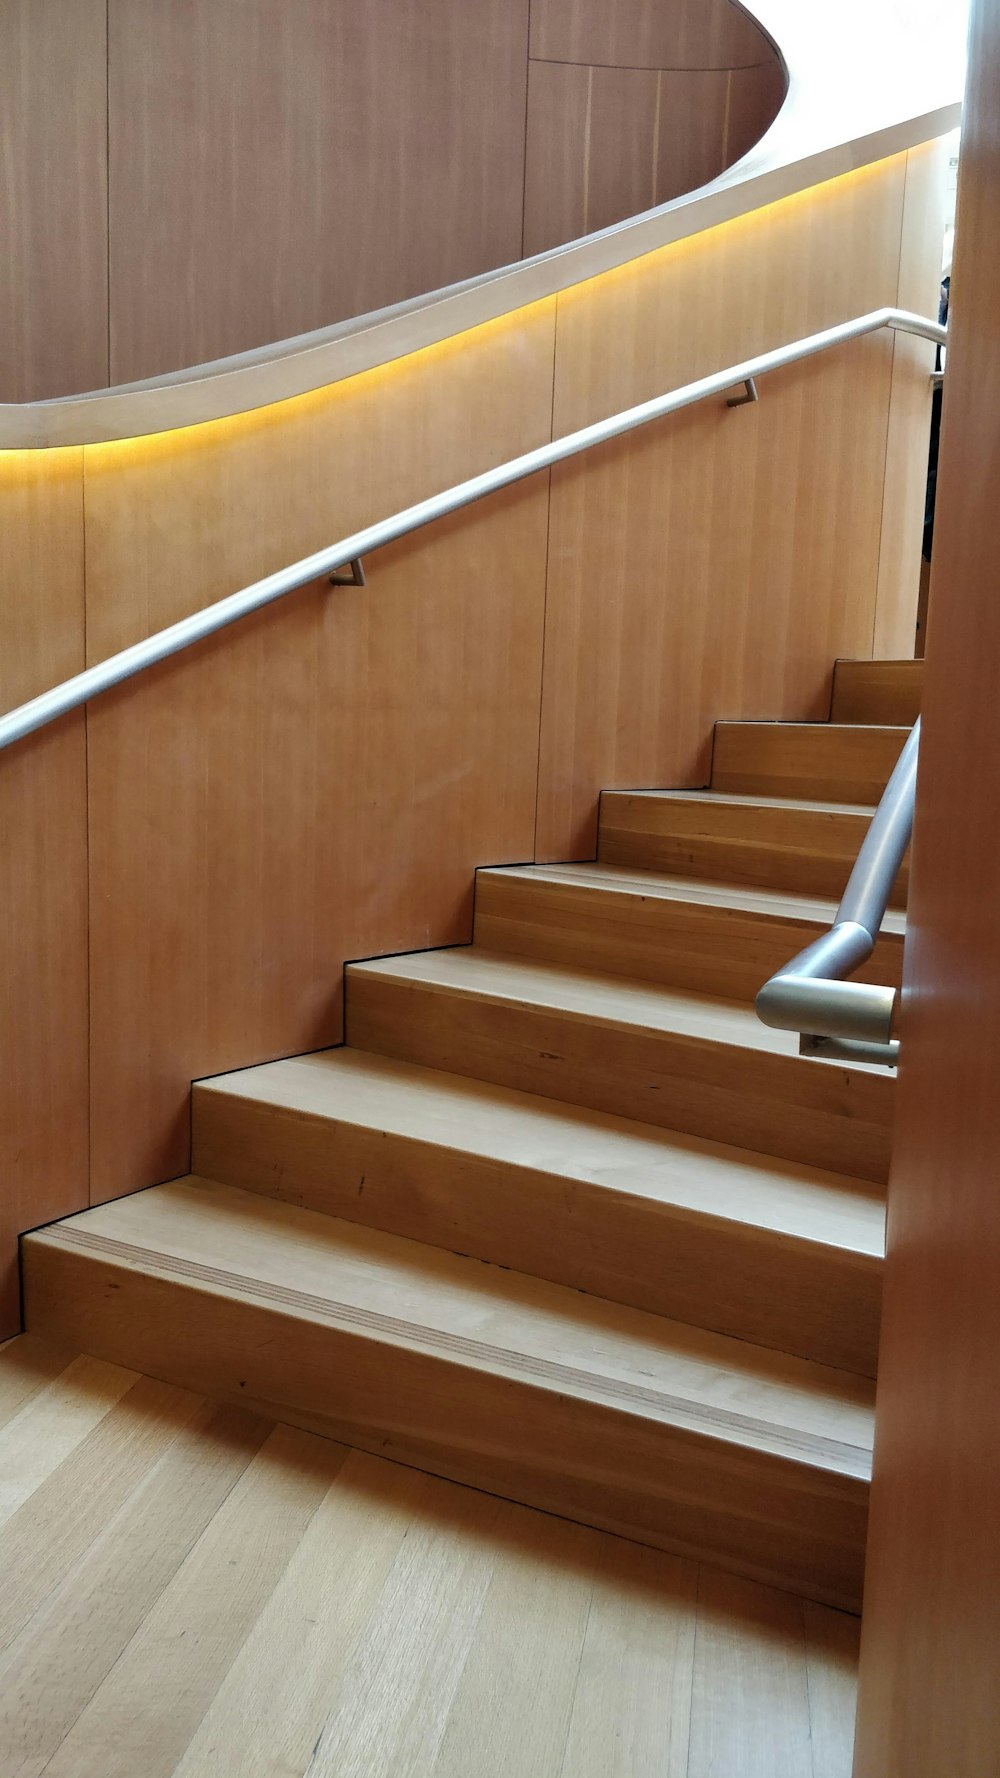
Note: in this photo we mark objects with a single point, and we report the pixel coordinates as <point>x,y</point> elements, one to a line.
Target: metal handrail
<point>159,647</point>
<point>851,1021</point>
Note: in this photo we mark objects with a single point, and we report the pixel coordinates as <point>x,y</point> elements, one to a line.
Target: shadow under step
<point>802,847</point>
<point>713,938</point>
<point>685,1440</point>
<point>765,1250</point>
<point>682,1061</point>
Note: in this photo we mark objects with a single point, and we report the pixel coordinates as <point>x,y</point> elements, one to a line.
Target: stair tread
<point>748,799</point>
<point>640,1160</point>
<point>620,1000</point>
<point>399,1291</point>
<point>622,880</point>
<point>813,728</point>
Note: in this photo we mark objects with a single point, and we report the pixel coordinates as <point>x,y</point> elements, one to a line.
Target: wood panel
<point>304,163</point>
<point>910,404</point>
<point>269,1638</point>
<point>605,143</point>
<point>928,1695</point>
<point>321,782</point>
<point>647,33</point>
<point>43,859</point>
<point>53,198</point>
<point>672,553</point>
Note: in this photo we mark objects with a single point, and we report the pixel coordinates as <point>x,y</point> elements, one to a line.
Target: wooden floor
<point>187,1588</point>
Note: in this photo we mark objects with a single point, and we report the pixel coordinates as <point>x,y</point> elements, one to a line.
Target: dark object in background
<point>932,456</point>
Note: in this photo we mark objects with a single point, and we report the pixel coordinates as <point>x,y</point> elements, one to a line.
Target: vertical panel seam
<point>888,415</point>
<point>545,583</point>
<point>107,191</point>
<point>524,163</point>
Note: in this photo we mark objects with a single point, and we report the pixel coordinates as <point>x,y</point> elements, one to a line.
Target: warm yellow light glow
<point>721,239</point>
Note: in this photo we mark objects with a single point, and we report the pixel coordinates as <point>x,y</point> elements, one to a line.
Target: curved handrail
<point>118,667</point>
<point>838,1018</point>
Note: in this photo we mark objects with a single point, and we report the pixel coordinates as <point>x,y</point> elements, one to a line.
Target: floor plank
<point>189,1590</point>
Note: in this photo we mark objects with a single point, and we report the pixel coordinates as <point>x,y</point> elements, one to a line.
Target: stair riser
<point>877,691</point>
<point>816,1301</point>
<point>681,944</point>
<point>849,765</point>
<point>767,1516</point>
<point>775,1104</point>
<point>809,852</point>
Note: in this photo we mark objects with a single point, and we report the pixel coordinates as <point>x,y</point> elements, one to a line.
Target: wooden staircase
<point>562,1219</point>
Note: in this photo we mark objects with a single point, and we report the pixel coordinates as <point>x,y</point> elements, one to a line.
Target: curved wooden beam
<point>867,79</point>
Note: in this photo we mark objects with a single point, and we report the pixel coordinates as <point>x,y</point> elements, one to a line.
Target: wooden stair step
<point>877,691</point>
<point>683,1061</point>
<point>674,1437</point>
<point>802,846</point>
<point>716,938</point>
<point>770,1251</point>
<point>844,762</point>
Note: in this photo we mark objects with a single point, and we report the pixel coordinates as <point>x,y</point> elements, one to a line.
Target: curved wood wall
<point>186,865</point>
<point>186,179</point>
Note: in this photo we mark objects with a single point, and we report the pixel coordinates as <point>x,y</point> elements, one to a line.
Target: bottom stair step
<point>686,1440</point>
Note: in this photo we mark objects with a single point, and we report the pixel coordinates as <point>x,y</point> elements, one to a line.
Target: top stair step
<point>877,691</point>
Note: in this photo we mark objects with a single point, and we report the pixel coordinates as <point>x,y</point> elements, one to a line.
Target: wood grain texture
<point>647,33</point>
<point>682,931</point>
<point>684,1061</point>
<point>607,142</point>
<point>636,576</point>
<point>781,1255</point>
<point>320,1608</point>
<point>321,782</point>
<point>53,198</point>
<point>807,848</point>
<point>910,404</point>
<point>324,163</point>
<point>928,1697</point>
<point>877,691</point>
<point>848,763</point>
<point>682,1439</point>
<point>43,859</point>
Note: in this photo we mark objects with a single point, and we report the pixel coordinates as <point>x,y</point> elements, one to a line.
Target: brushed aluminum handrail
<point>851,1021</point>
<point>118,667</point>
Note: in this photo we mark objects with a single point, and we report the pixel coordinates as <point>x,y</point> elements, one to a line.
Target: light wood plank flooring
<point>187,1588</point>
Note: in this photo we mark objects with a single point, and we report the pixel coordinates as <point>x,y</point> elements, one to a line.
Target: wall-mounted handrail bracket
<point>750,385</point>
<point>848,1049</point>
<point>355,578</point>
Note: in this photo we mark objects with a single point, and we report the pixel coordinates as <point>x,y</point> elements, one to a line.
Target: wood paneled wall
<point>321,782</point>
<point>53,198</point>
<point>192,178</point>
<point>929,1699</point>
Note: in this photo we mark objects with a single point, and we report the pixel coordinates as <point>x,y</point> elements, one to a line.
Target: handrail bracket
<point>355,578</point>
<point>750,384</point>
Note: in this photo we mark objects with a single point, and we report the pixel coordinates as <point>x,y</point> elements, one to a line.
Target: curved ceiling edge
<point>834,120</point>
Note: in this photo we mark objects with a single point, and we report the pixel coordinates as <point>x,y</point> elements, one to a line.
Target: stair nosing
<point>830,1456</point>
